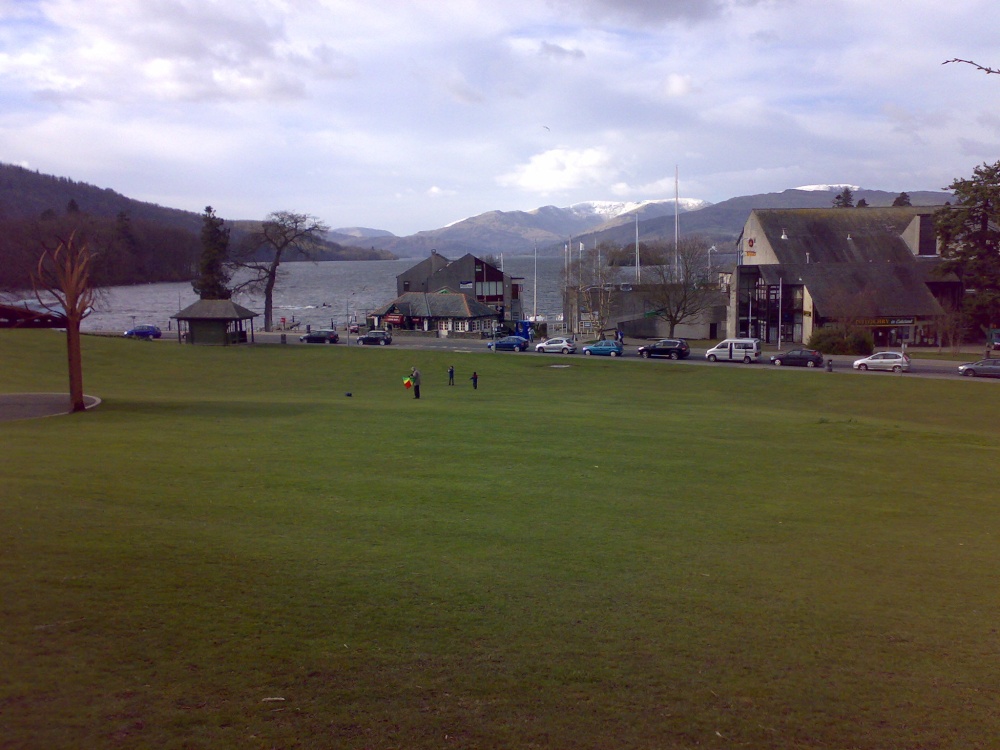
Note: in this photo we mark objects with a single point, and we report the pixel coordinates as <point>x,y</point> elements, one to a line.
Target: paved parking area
<point>14,406</point>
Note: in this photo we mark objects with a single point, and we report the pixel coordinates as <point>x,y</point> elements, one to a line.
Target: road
<point>921,368</point>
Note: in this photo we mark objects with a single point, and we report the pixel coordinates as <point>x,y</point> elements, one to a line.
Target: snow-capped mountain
<point>549,227</point>
<point>824,188</point>
<point>610,210</point>
<point>497,232</point>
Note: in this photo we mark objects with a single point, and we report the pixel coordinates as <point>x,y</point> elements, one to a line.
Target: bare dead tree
<point>681,289</point>
<point>62,284</point>
<point>281,233</point>
<point>976,65</point>
<point>598,286</point>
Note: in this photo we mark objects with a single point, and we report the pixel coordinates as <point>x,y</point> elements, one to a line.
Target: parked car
<point>321,336</point>
<point>372,338</point>
<point>144,331</point>
<point>605,347</point>
<point>798,358</point>
<point>509,343</point>
<point>984,368</point>
<point>497,332</point>
<point>354,328</point>
<point>672,348</point>
<point>740,350</point>
<point>893,361</point>
<point>559,344</point>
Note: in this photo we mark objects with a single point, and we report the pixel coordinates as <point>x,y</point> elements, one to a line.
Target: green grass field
<point>229,552</point>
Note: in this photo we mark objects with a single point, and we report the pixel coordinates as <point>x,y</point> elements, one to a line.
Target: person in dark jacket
<point>415,378</point>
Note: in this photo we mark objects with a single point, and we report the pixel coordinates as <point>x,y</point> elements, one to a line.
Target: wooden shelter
<point>215,322</point>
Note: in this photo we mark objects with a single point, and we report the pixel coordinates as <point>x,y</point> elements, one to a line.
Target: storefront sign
<point>396,320</point>
<point>885,321</point>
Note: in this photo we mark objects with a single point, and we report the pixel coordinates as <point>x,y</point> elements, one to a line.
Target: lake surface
<point>318,294</point>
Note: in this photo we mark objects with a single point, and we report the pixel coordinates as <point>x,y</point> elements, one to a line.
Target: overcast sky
<point>408,115</point>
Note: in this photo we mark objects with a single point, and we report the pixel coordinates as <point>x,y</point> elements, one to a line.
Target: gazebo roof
<point>214,309</point>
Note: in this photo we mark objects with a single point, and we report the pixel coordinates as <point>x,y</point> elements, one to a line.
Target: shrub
<point>834,341</point>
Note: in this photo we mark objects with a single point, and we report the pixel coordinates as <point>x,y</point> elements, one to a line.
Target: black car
<point>671,348</point>
<point>798,357</point>
<point>321,336</point>
<point>372,338</point>
<point>509,343</point>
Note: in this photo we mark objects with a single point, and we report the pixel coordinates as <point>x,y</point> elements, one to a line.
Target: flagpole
<point>677,234</point>
<point>637,272</point>
<point>534,289</point>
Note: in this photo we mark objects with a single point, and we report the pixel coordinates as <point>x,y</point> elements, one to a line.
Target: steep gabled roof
<point>425,268</point>
<point>840,235</point>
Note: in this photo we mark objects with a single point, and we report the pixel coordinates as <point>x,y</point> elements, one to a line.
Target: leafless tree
<point>951,325</point>
<point>681,289</point>
<point>599,283</point>
<point>62,284</point>
<point>281,234</point>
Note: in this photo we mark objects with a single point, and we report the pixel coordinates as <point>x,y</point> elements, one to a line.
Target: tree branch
<point>973,64</point>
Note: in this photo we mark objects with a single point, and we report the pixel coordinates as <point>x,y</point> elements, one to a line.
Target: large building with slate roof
<point>800,269</point>
<point>446,313</point>
<point>468,275</point>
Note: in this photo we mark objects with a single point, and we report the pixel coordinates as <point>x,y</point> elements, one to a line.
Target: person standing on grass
<point>451,375</point>
<point>415,377</point>
<point>475,380</point>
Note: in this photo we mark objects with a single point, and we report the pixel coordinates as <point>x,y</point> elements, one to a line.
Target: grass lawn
<point>229,552</point>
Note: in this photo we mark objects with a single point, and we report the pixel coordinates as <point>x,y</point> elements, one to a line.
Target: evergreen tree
<point>844,199</point>
<point>862,204</point>
<point>903,199</point>
<point>969,232</point>
<point>213,272</point>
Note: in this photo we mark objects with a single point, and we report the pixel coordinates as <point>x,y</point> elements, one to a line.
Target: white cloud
<point>560,170</point>
<point>350,109</point>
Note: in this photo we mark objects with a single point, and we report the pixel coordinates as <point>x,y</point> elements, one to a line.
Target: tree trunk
<point>272,277</point>
<point>75,359</point>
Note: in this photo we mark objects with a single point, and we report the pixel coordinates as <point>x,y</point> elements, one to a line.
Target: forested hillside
<point>134,242</point>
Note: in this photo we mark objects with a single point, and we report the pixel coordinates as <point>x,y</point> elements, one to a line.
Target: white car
<point>893,361</point>
<point>561,345</point>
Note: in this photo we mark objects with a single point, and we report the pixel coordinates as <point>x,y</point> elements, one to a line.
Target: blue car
<point>143,332</point>
<point>605,347</point>
<point>509,343</point>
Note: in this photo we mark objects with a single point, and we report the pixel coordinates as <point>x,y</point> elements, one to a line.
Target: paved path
<point>15,406</point>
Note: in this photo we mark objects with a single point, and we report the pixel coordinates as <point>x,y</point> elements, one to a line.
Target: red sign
<point>394,319</point>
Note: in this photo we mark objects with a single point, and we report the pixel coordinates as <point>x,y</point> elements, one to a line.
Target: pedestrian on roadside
<point>475,380</point>
<point>415,377</point>
<point>451,375</point>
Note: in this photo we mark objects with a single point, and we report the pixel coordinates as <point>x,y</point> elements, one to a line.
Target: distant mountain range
<point>24,194</point>
<point>496,232</point>
<point>549,228</point>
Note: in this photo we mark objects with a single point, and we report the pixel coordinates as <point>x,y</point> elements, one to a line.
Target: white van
<point>735,350</point>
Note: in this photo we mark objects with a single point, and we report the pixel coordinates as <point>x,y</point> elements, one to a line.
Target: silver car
<point>984,368</point>
<point>560,344</point>
<point>890,361</point>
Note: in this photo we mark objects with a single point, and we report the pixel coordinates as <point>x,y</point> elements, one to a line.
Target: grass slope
<point>610,554</point>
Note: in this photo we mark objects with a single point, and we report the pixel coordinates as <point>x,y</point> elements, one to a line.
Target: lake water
<point>318,294</point>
